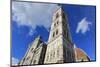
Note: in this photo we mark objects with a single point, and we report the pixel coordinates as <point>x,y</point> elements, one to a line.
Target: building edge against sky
<point>50,51</point>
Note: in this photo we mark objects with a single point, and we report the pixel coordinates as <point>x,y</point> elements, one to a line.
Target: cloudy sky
<point>32,19</point>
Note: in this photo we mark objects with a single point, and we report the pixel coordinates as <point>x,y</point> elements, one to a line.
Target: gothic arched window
<point>53,34</point>
<point>32,50</point>
<point>57,52</point>
<point>54,24</point>
<point>47,57</point>
<point>34,61</point>
<point>57,23</point>
<point>57,32</point>
<point>54,54</point>
<point>57,15</point>
<point>28,58</point>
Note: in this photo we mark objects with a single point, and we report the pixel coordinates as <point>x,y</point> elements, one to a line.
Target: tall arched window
<point>53,34</point>
<point>27,58</point>
<point>57,32</point>
<point>47,57</point>
<point>54,24</point>
<point>57,15</point>
<point>34,61</point>
<point>54,54</point>
<point>32,50</point>
<point>57,22</point>
<point>57,53</point>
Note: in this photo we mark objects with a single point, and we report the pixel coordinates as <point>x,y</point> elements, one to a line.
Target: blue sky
<point>32,19</point>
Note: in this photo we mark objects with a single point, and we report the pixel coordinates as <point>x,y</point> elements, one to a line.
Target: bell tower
<point>60,46</point>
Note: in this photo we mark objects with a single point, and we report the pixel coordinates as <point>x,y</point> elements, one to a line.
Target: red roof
<point>80,55</point>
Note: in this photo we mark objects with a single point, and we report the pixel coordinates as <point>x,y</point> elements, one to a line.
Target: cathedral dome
<point>80,55</point>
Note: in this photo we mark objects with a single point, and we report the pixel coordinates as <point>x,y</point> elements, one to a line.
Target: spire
<point>60,7</point>
<point>75,46</point>
<point>38,37</point>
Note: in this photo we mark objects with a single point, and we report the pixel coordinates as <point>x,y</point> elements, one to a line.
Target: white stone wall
<point>54,51</point>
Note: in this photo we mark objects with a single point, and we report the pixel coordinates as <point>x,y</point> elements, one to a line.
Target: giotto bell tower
<point>60,47</point>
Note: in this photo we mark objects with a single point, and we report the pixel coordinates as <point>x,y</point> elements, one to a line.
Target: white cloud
<point>83,26</point>
<point>14,61</point>
<point>33,14</point>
